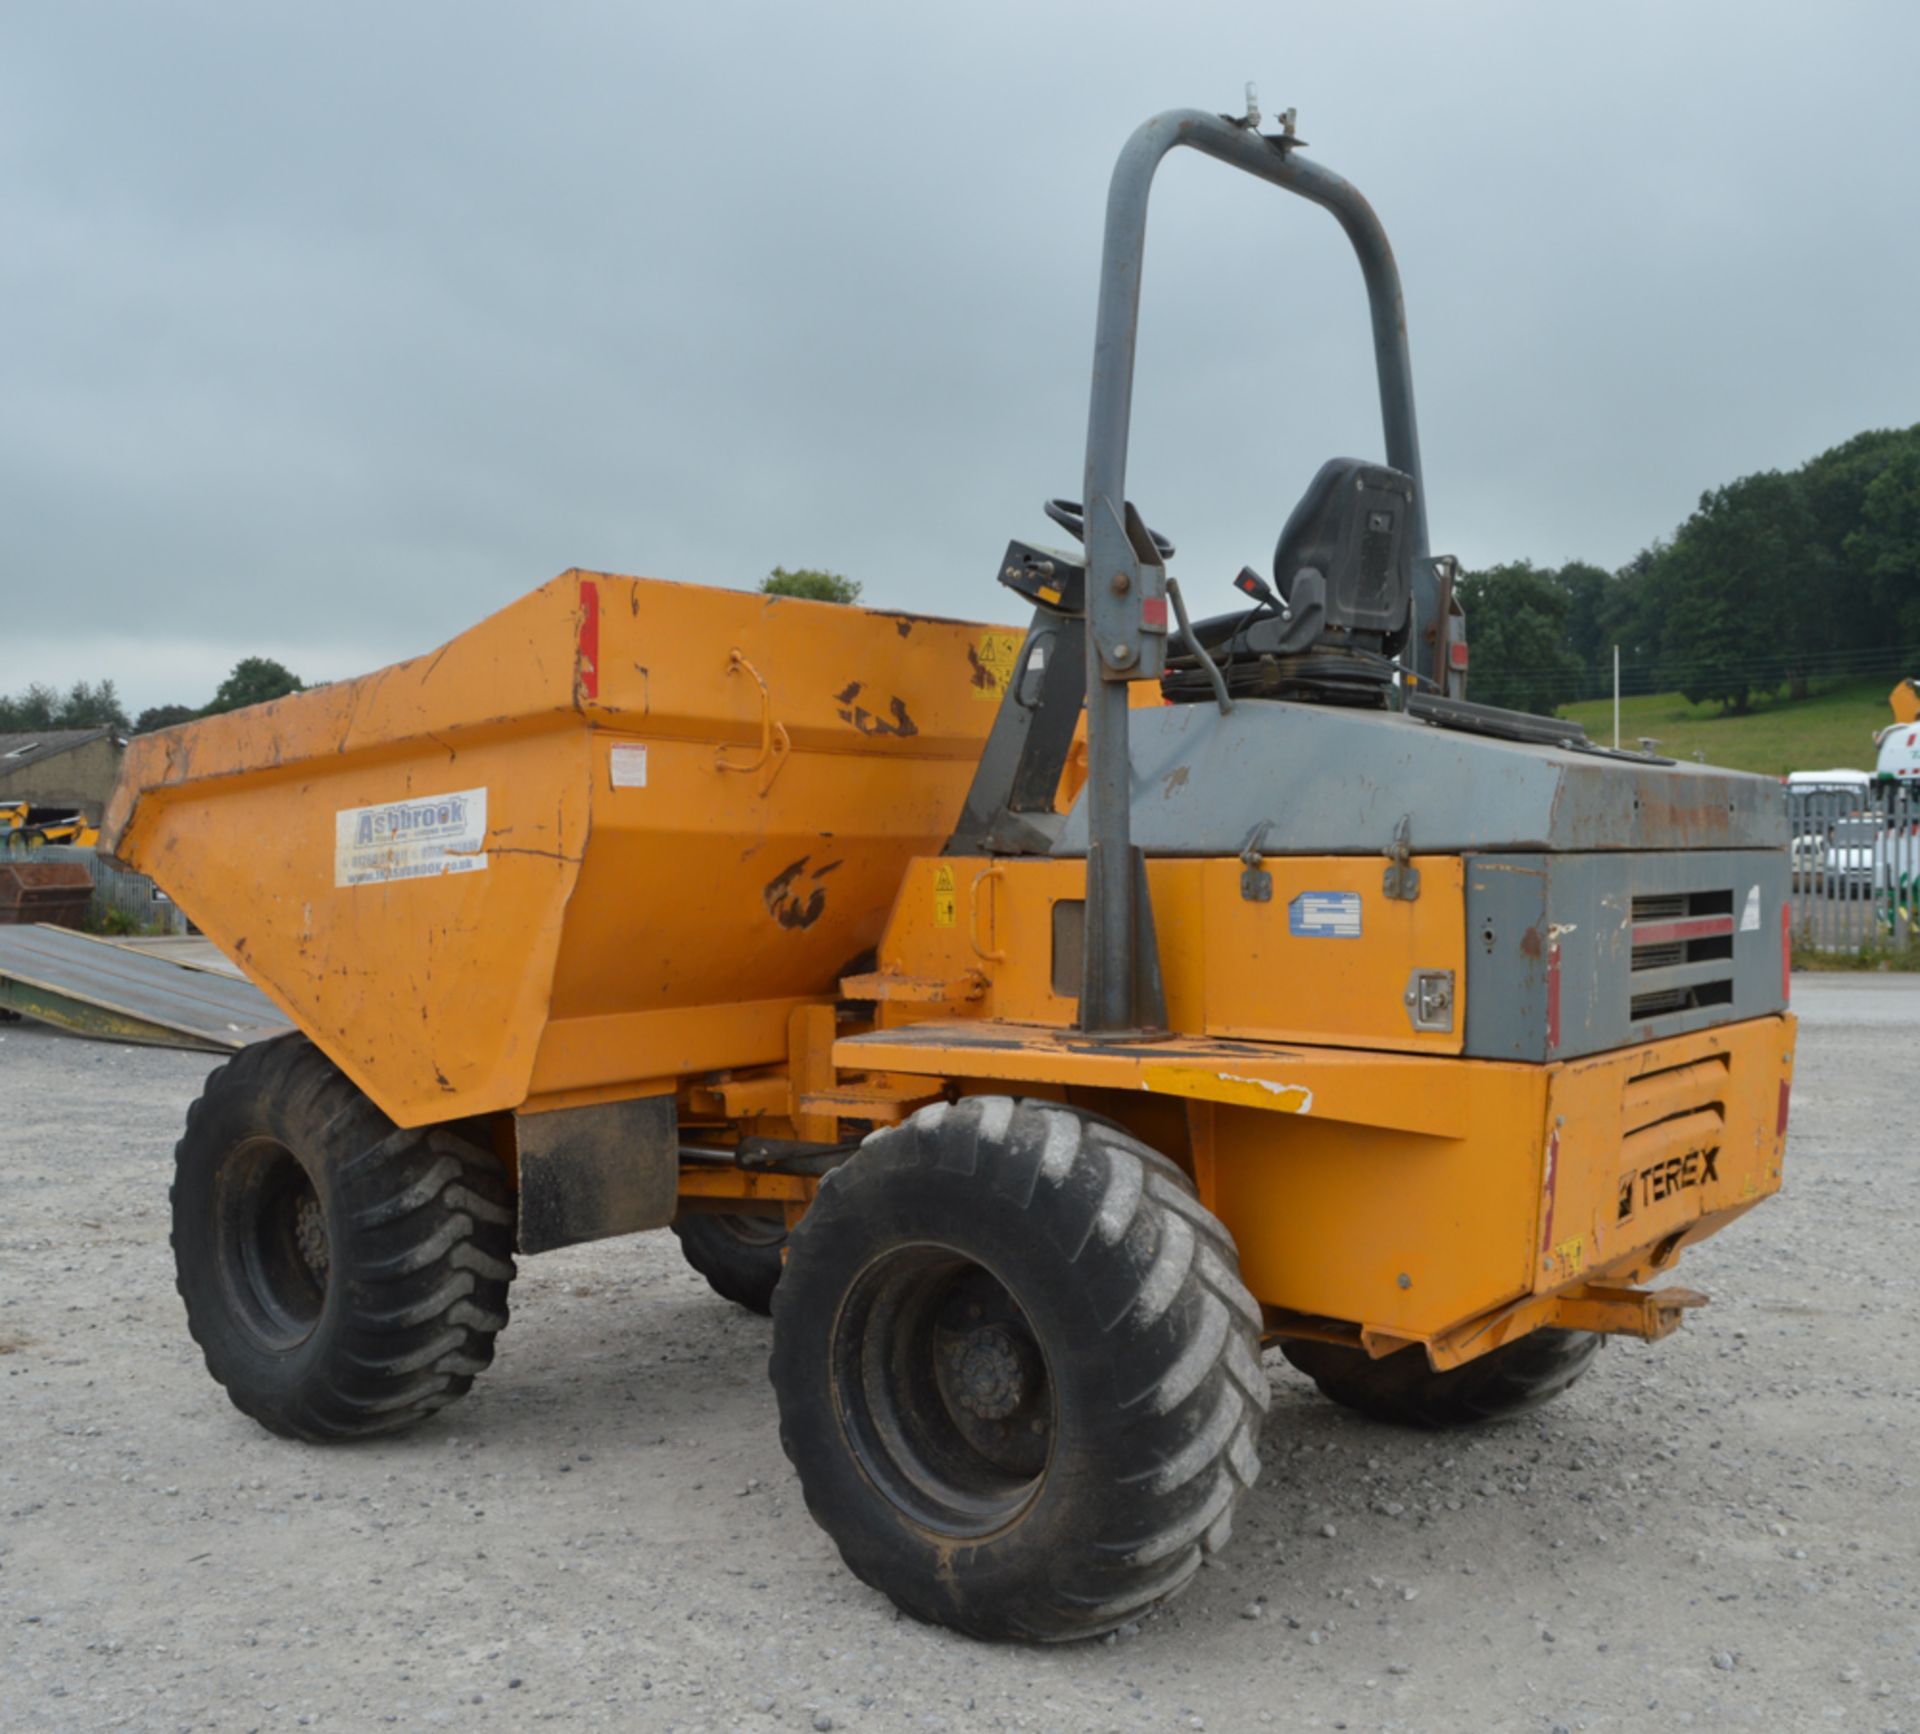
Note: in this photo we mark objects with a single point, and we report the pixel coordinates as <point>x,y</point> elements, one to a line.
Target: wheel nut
<point>988,1376</point>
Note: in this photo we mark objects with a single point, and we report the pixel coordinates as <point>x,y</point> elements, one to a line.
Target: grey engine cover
<point>1582,868</point>
<point>1328,781</point>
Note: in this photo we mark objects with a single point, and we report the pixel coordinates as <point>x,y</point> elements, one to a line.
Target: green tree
<point>1885,549</point>
<point>89,706</point>
<point>1737,575</point>
<point>33,709</point>
<point>814,585</point>
<point>1588,590</point>
<point>1837,483</point>
<point>1632,620</point>
<point>1516,623</point>
<point>162,716</point>
<point>84,705</point>
<point>254,680</point>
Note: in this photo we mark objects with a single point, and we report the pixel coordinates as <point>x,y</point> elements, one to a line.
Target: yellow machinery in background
<point>1038,1022</point>
<point>24,827</point>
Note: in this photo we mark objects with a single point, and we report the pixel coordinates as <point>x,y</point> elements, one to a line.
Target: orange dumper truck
<point>1039,1022</point>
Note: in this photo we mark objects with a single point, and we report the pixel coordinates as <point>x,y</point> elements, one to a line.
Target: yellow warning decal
<point>946,901</point>
<point>993,658</point>
<point>1572,1255</point>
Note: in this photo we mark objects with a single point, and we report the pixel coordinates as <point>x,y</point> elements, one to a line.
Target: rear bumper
<point>1650,1149</point>
<point>1562,1182</point>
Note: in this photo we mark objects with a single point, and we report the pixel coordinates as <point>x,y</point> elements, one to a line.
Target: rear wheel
<point>342,1276</point>
<point>740,1256</point>
<point>1018,1374</point>
<point>1403,1390</point>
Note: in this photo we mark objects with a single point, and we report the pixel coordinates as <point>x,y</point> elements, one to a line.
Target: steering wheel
<point>1071,516</point>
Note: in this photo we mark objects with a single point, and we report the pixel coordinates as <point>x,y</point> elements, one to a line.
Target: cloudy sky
<point>329,329</point>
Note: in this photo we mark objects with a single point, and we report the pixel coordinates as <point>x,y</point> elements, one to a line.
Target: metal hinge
<point>1256,883</point>
<point>1402,880</point>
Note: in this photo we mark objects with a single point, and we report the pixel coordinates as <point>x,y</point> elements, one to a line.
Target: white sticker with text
<point>629,766</point>
<point>417,838</point>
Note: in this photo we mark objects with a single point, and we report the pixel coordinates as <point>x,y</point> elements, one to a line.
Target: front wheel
<point>343,1277</point>
<point>1402,1390</point>
<point>1017,1371</point>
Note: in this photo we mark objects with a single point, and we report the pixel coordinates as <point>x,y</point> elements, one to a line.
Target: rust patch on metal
<point>867,722</point>
<point>795,906</point>
<point>982,676</point>
<point>1531,943</point>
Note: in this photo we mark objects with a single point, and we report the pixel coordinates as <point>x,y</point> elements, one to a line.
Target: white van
<point>1848,781</point>
<point>1899,753</point>
<point>1823,797</point>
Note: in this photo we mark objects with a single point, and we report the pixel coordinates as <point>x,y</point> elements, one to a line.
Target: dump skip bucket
<point>609,837</point>
<point>53,892</point>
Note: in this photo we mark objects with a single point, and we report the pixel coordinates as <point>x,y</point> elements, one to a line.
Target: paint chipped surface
<point>1236,1087</point>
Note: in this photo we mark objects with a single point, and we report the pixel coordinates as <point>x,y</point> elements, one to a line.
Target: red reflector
<point>1457,653</point>
<point>1153,611</point>
<point>1553,998</point>
<point>589,663</point>
<point>1786,1093</point>
<point>1786,963</point>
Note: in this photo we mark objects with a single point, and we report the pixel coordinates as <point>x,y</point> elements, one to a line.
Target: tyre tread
<point>425,1229</point>
<point>1402,1390</point>
<point>1181,1321</point>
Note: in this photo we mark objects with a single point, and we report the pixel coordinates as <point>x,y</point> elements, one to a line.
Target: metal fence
<point>134,895</point>
<point>1856,865</point>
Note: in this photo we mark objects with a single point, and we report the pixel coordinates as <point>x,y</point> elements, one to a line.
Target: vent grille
<point>1682,953</point>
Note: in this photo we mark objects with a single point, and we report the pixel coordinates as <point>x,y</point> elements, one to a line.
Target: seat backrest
<point>1353,526</point>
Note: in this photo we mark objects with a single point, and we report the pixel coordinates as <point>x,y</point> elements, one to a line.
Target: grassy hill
<point>1833,727</point>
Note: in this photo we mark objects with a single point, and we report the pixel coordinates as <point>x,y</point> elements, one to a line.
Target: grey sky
<point>331,328</point>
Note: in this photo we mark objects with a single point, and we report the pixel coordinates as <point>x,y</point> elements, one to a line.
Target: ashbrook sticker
<point>412,839</point>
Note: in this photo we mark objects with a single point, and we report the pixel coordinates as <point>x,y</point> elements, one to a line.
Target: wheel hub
<point>989,1373</point>
<point>310,1235</point>
<point>944,1391</point>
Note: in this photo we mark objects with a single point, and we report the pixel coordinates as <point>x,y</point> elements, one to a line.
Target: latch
<point>1429,999</point>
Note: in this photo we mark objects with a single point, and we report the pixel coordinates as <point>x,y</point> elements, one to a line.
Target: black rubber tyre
<point>1018,1373</point>
<point>342,1277</point>
<point>740,1256</point>
<point>1402,1390</point>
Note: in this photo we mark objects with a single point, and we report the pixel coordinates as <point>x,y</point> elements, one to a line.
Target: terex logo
<point>1661,1180</point>
<point>410,819</point>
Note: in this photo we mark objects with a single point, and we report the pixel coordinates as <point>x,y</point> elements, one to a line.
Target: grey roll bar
<point>1126,589</point>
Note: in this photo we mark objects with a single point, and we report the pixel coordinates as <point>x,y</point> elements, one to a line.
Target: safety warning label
<point>946,899</point>
<point>411,839</point>
<point>992,660</point>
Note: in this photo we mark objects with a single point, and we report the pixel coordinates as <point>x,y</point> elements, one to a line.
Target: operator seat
<point>1353,527</point>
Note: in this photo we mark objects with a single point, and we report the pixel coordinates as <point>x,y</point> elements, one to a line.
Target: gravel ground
<point>1721,1531</point>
